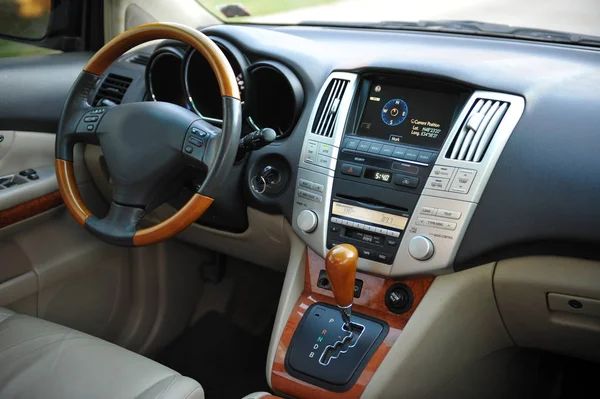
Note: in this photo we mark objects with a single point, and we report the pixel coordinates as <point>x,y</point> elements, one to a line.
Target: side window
<point>26,20</point>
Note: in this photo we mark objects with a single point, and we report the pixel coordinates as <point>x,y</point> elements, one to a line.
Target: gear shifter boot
<point>323,351</point>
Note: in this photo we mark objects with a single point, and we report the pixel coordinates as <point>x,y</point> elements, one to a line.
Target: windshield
<point>575,16</point>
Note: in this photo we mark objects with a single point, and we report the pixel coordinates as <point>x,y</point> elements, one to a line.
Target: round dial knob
<point>421,248</point>
<point>307,221</point>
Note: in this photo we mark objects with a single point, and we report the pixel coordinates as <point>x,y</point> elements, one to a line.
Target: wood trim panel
<point>371,303</point>
<point>29,209</point>
<point>112,50</point>
<point>187,215</point>
<point>65,175</point>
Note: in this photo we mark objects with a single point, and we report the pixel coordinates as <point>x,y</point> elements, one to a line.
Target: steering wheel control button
<point>445,172</point>
<point>199,132</point>
<point>307,221</point>
<point>406,181</point>
<point>90,128</point>
<point>189,149</point>
<point>98,111</point>
<point>421,248</point>
<point>462,181</point>
<point>89,119</point>
<point>351,170</point>
<point>435,183</point>
<point>195,141</point>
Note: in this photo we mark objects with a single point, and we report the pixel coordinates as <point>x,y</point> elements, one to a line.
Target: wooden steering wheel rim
<point>97,65</point>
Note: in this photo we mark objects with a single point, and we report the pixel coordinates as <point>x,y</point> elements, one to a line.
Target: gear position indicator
<point>394,112</point>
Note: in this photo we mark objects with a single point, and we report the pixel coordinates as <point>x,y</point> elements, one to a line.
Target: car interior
<point>192,206</point>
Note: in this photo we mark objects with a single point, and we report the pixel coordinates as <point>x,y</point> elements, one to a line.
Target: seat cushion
<point>40,359</point>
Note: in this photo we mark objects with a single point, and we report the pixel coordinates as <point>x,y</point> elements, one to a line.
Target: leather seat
<point>40,359</point>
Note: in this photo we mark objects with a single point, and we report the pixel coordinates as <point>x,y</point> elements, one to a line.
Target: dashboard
<point>430,152</point>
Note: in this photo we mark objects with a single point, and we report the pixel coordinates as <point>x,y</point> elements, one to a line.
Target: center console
<point>392,168</point>
<point>396,168</point>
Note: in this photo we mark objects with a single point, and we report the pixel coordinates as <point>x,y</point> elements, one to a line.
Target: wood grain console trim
<point>29,209</point>
<point>371,303</point>
<point>127,40</point>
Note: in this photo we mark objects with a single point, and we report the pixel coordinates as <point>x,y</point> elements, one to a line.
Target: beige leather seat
<point>40,359</point>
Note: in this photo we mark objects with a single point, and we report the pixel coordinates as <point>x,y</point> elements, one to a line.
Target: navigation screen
<point>407,116</point>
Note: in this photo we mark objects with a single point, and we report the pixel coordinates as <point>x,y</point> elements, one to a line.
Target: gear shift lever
<point>340,263</point>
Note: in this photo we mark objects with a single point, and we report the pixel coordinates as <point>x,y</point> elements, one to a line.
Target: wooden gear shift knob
<point>340,263</point>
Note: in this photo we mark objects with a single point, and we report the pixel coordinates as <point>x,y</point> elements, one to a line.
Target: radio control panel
<point>401,190</point>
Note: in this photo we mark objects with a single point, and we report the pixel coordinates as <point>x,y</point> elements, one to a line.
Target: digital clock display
<point>379,175</point>
<point>367,215</point>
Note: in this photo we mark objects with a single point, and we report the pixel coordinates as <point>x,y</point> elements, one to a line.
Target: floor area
<point>225,349</point>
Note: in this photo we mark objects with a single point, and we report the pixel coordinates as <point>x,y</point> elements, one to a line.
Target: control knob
<point>307,221</point>
<point>421,248</point>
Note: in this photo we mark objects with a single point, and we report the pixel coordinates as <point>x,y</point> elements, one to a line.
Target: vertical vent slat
<point>326,116</point>
<point>477,130</point>
<point>113,89</point>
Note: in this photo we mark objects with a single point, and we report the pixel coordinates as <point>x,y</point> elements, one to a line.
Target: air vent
<point>478,130</point>
<point>112,90</point>
<point>325,118</point>
<point>141,59</point>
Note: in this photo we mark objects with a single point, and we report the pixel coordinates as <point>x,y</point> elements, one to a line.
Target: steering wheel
<point>148,145</point>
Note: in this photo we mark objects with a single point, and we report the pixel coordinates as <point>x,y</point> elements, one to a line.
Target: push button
<point>406,181</point>
<point>442,171</point>
<point>411,154</point>
<point>351,170</point>
<point>90,128</point>
<point>352,144</point>
<point>375,148</point>
<point>364,145</point>
<point>425,156</point>
<point>34,176</point>
<point>90,119</point>
<point>325,149</point>
<point>387,150</point>
<point>195,141</point>
<point>399,152</point>
<point>311,152</point>
<point>367,254</point>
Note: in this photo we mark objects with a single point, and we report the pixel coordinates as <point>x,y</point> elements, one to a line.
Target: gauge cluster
<point>272,95</point>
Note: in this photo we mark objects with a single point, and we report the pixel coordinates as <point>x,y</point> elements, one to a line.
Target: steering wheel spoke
<point>119,226</point>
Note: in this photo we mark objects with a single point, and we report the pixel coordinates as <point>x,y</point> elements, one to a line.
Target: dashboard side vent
<point>112,90</point>
<point>141,59</point>
<point>477,130</point>
<point>325,117</point>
